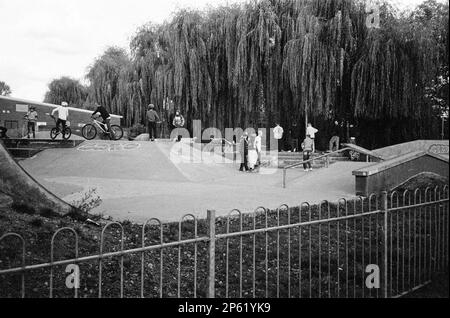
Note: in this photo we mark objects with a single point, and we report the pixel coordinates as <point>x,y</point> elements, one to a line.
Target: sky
<point>41,40</point>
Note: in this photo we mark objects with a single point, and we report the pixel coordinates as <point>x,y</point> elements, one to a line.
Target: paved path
<point>141,180</point>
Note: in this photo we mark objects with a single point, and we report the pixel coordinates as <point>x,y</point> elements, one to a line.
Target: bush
<point>20,207</point>
<point>36,222</point>
<point>48,213</point>
<point>88,202</point>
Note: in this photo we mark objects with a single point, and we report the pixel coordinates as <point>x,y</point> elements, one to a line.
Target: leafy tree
<point>66,89</point>
<point>5,90</point>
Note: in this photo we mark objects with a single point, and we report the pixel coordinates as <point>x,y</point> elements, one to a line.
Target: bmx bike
<point>90,131</point>
<point>55,131</point>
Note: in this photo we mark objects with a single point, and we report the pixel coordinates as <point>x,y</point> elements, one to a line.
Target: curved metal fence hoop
<point>110,224</point>
<point>394,195</point>
<point>180,223</point>
<point>161,235</point>
<point>22,241</point>
<point>68,229</point>
<point>227,242</point>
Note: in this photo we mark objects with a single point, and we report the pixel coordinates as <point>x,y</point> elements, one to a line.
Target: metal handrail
<point>316,158</point>
<point>327,155</point>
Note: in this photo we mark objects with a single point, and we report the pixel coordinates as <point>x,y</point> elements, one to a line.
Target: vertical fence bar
<point>300,247</point>
<point>338,249</point>
<point>278,253</point>
<point>435,209</point>
<point>405,193</point>
<point>22,273</point>
<point>310,255</point>
<point>415,238</point>
<point>320,252</point>
<point>289,254</point>
<point>329,251</point>
<point>267,256</point>
<point>384,203</point>
<point>346,251</point>
<point>211,232</point>
<point>362,248</point>
<point>446,227</point>
<point>354,248</point>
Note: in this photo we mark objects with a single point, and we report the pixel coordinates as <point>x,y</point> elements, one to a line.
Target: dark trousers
<point>151,130</point>
<point>62,123</point>
<point>306,156</point>
<point>107,122</point>
<point>32,128</point>
<point>244,163</point>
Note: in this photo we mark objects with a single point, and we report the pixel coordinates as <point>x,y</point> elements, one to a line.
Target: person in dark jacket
<point>336,134</point>
<point>104,114</point>
<point>243,150</point>
<point>152,120</point>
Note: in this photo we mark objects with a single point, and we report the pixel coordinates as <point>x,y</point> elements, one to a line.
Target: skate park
<point>138,180</point>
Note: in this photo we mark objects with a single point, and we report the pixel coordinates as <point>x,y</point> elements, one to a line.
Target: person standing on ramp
<point>31,117</point>
<point>178,122</point>
<point>152,120</point>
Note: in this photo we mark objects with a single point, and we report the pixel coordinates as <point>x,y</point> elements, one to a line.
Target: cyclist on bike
<point>105,116</point>
<point>63,115</point>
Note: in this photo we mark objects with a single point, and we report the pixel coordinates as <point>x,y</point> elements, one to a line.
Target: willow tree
<point>5,90</point>
<point>66,89</point>
<point>257,62</point>
<point>104,75</point>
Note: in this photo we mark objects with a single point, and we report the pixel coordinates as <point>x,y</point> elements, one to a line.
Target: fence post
<point>211,228</point>
<point>284,178</point>
<point>384,208</point>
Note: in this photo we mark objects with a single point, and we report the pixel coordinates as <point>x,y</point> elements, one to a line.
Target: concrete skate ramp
<point>389,174</point>
<point>139,180</point>
<point>22,187</point>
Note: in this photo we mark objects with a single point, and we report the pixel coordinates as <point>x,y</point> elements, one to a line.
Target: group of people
<point>61,115</point>
<point>153,119</point>
<point>308,145</point>
<point>250,151</point>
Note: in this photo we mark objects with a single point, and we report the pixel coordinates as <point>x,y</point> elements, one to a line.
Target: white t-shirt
<point>311,131</point>
<point>63,112</point>
<point>258,143</point>
<point>278,132</point>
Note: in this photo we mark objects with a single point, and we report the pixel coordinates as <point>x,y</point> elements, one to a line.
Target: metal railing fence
<point>321,250</point>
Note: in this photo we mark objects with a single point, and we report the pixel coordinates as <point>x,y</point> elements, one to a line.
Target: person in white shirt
<point>278,134</point>
<point>258,146</point>
<point>311,132</point>
<point>63,115</point>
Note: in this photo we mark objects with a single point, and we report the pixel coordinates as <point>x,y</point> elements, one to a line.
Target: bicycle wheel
<point>116,132</point>
<point>67,133</point>
<point>54,133</point>
<point>89,131</point>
